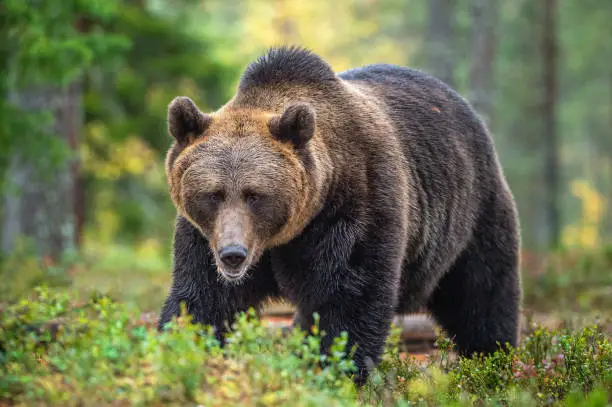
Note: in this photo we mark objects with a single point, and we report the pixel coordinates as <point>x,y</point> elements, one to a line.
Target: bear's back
<point>414,96</point>
<point>447,147</point>
<point>439,130</point>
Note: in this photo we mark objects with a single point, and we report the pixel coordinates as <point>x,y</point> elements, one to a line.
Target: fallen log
<point>418,330</point>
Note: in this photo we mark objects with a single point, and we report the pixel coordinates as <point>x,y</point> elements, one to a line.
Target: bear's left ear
<point>185,120</point>
<point>296,125</point>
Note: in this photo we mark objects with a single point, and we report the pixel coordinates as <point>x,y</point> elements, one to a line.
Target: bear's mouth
<point>236,275</point>
<point>233,275</point>
<point>235,271</point>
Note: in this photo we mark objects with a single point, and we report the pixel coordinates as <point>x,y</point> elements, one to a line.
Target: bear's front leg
<point>367,320</point>
<point>208,298</point>
<point>365,313</point>
<point>353,286</point>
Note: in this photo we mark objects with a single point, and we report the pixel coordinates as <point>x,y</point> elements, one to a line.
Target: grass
<point>67,346</point>
<point>568,282</point>
<point>55,350</point>
<point>578,281</point>
<point>138,275</point>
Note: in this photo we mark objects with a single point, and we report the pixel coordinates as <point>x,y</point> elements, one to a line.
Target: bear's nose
<point>233,256</point>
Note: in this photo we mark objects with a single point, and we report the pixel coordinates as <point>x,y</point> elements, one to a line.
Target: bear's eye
<point>252,198</point>
<point>215,197</point>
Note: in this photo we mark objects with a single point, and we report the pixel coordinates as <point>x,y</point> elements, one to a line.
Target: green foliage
<point>559,368</point>
<point>571,280</point>
<point>56,350</point>
<point>23,270</point>
<point>54,42</point>
<point>138,275</point>
<point>548,365</point>
<point>45,43</point>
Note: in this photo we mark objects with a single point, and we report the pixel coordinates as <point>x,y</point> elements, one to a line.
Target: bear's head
<point>241,177</point>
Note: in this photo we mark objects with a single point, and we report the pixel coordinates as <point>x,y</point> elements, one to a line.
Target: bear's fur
<point>357,196</point>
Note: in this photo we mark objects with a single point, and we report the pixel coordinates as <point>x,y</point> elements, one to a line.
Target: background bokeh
<point>86,84</point>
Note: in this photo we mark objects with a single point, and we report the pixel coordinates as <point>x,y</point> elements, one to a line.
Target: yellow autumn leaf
<point>585,233</point>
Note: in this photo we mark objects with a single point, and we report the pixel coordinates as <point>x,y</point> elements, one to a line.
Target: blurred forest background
<point>86,84</point>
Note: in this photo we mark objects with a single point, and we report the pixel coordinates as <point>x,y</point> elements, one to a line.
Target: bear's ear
<point>295,125</point>
<point>185,120</point>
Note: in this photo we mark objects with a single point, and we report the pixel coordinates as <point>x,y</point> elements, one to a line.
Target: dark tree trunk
<point>440,45</point>
<point>484,20</point>
<point>608,150</point>
<point>549,114</point>
<point>521,87</point>
<point>42,205</point>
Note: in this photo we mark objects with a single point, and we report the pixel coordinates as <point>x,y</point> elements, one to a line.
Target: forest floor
<point>91,340</point>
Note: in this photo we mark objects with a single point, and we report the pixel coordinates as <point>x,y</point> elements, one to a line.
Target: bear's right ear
<point>296,125</point>
<point>185,120</point>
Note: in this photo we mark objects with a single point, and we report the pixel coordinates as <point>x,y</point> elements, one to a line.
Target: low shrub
<point>55,350</point>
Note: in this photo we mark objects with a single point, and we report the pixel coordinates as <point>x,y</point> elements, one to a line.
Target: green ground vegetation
<point>58,350</point>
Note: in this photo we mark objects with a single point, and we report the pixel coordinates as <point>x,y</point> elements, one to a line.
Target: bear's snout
<point>233,256</point>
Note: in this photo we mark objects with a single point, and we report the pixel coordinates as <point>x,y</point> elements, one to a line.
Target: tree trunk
<point>41,205</point>
<point>484,20</point>
<point>549,114</point>
<point>608,193</point>
<point>519,115</point>
<point>440,45</point>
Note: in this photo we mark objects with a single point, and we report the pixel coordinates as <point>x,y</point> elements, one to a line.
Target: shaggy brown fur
<point>359,195</point>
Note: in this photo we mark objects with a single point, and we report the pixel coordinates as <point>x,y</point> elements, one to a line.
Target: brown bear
<point>355,195</point>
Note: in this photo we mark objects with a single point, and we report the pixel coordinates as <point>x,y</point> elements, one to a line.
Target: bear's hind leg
<point>477,301</point>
